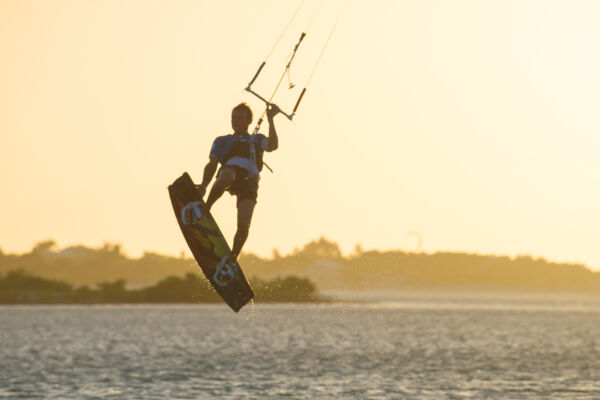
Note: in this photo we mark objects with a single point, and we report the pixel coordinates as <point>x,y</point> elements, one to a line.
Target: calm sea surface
<point>413,348</point>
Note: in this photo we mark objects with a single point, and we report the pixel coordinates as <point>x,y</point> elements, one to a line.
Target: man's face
<point>239,121</point>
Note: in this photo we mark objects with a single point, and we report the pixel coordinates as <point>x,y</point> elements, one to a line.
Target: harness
<point>244,148</point>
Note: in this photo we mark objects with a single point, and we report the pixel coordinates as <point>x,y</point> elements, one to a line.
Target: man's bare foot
<point>205,210</point>
<point>232,259</point>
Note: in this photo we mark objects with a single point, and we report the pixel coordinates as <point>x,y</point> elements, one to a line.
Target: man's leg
<point>245,211</point>
<point>225,178</point>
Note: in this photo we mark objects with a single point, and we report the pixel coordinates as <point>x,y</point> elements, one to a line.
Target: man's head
<point>241,116</point>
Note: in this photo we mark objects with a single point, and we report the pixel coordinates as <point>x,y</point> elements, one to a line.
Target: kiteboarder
<point>240,155</point>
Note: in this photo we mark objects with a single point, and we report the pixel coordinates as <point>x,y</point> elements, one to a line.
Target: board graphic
<point>209,247</point>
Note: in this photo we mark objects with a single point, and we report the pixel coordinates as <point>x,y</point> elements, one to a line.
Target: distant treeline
<point>323,263</point>
<point>18,287</point>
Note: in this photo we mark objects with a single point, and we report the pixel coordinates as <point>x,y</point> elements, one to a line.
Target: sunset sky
<point>474,123</point>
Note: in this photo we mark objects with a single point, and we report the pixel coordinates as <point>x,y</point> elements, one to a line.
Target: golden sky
<point>473,123</point>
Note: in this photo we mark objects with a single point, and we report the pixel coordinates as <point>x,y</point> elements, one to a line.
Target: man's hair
<point>245,108</point>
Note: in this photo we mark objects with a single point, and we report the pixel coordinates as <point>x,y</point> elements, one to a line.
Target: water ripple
<point>408,350</point>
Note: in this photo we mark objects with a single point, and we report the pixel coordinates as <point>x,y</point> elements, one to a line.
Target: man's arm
<point>273,140</point>
<point>209,172</point>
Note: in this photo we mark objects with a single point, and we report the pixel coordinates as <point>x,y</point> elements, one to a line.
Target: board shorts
<point>243,187</point>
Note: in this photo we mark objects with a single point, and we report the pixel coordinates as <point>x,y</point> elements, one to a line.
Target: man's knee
<point>245,210</point>
<point>243,223</point>
<point>243,227</point>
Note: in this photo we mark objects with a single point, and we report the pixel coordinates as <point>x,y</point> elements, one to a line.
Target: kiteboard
<point>209,247</point>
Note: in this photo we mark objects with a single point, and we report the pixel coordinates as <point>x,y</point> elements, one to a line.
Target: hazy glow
<point>472,123</point>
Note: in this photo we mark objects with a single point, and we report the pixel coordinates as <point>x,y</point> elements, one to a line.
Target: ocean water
<point>412,348</point>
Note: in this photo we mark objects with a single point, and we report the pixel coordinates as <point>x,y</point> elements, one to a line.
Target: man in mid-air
<point>240,155</point>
